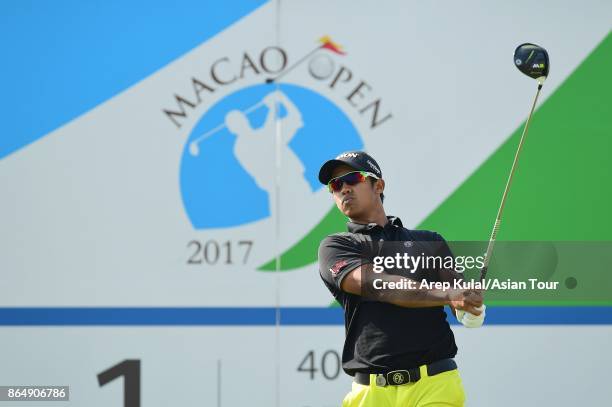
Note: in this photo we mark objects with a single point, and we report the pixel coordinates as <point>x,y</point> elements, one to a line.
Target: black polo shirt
<point>381,336</point>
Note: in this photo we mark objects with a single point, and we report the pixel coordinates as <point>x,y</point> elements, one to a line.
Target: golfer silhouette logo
<point>229,175</point>
<point>255,147</point>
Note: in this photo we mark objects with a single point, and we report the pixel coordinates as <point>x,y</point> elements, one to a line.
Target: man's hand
<point>471,321</point>
<point>269,100</point>
<point>469,309</point>
<point>274,97</point>
<point>467,300</point>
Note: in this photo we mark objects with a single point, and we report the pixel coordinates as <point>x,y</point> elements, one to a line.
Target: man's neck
<point>378,216</point>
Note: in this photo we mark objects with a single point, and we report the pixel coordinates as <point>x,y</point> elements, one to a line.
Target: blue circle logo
<point>228,165</point>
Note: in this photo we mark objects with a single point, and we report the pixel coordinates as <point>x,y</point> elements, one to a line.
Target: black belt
<point>399,377</point>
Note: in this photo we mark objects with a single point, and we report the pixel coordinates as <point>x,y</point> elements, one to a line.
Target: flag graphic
<point>327,43</point>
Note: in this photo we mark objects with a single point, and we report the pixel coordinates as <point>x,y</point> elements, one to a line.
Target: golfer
<point>398,347</point>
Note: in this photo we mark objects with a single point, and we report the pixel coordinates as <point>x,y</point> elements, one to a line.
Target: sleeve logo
<point>339,265</point>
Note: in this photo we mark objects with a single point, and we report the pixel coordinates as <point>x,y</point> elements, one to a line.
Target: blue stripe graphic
<point>290,316</point>
<point>62,58</point>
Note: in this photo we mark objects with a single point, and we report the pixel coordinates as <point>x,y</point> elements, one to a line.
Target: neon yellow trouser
<point>444,389</point>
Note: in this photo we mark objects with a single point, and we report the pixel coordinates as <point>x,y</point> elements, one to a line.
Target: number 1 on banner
<point>130,370</point>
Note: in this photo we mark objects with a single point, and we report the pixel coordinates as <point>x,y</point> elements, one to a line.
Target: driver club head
<point>532,60</point>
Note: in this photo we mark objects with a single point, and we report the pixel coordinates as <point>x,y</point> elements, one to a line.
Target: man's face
<point>359,200</point>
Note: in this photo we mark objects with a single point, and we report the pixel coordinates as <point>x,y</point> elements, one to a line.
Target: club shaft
<point>500,211</point>
<point>298,62</point>
<point>209,133</point>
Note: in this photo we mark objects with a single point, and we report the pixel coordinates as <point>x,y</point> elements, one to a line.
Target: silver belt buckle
<point>381,381</point>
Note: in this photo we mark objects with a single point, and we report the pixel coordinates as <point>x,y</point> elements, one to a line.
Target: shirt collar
<point>353,227</point>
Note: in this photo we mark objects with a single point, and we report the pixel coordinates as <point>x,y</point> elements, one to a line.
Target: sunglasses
<point>352,178</point>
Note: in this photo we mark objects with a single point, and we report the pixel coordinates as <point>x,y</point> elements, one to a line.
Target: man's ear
<point>379,186</point>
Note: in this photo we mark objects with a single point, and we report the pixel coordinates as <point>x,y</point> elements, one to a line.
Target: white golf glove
<point>469,320</point>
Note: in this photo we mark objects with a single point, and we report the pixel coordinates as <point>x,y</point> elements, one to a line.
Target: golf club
<point>194,146</point>
<point>532,60</point>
